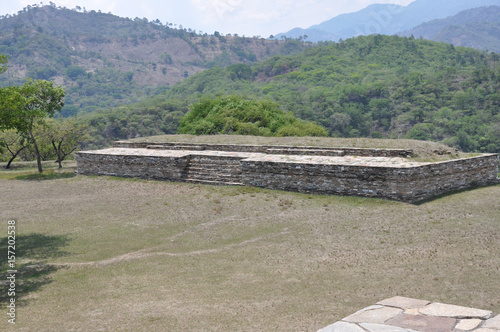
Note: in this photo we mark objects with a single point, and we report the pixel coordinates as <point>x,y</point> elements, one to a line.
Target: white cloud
<point>215,10</point>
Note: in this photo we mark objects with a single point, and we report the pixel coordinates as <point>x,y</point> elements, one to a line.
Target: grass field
<point>109,254</point>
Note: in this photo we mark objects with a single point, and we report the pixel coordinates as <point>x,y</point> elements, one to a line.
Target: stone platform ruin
<point>402,314</point>
<point>383,173</point>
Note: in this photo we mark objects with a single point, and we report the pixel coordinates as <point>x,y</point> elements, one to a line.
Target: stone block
<point>454,311</point>
<point>493,323</point>
<point>423,323</point>
<point>342,327</point>
<point>383,328</point>
<point>468,324</point>
<point>403,302</point>
<point>376,315</point>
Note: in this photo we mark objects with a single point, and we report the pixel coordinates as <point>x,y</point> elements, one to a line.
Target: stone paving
<point>402,314</point>
<point>395,162</point>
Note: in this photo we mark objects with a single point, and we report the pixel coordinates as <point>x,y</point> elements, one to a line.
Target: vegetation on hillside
<point>239,116</point>
<point>103,60</point>
<point>373,86</point>
<point>369,86</point>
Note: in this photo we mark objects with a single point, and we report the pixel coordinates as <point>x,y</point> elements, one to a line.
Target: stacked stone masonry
<point>402,314</point>
<point>384,173</point>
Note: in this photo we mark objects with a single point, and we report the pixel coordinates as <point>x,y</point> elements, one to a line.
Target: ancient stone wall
<point>139,166</point>
<point>329,173</point>
<point>409,184</point>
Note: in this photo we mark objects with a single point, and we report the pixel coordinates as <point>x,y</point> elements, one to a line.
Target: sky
<point>244,17</point>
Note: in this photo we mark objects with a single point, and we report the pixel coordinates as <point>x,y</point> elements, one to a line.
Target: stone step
<point>211,177</point>
<point>212,166</point>
<point>217,183</point>
<point>214,169</point>
<point>214,162</point>
<point>213,174</point>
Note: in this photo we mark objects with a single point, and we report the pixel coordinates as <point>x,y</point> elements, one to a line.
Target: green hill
<point>103,60</point>
<point>370,86</point>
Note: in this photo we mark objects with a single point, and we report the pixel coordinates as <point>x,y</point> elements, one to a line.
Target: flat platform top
<point>262,157</point>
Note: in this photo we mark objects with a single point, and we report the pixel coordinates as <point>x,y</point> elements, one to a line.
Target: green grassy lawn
<point>103,254</point>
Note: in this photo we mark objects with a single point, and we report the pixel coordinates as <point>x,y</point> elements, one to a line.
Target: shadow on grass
<point>451,193</point>
<point>48,175</point>
<point>33,272</point>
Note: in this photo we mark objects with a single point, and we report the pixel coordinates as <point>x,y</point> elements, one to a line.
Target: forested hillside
<point>104,60</point>
<point>378,86</point>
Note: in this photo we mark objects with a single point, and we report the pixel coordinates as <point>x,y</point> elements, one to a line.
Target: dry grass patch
<point>146,255</point>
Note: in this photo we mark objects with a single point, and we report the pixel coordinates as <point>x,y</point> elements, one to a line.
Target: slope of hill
<point>104,60</point>
<point>478,28</point>
<point>378,86</point>
<point>385,19</point>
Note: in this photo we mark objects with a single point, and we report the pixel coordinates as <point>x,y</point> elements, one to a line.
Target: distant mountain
<point>103,60</point>
<point>310,34</point>
<point>385,19</point>
<point>478,28</point>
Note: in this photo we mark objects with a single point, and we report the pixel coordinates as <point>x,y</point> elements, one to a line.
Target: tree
<point>10,101</point>
<point>75,72</point>
<point>29,105</point>
<point>14,143</point>
<point>3,61</point>
<point>65,136</point>
<point>237,115</point>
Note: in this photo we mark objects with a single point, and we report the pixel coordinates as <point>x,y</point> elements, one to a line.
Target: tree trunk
<point>10,161</point>
<point>37,153</point>
<point>58,152</point>
<point>14,155</point>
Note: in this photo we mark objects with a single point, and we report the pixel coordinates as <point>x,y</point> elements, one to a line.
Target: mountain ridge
<point>478,28</point>
<point>386,18</point>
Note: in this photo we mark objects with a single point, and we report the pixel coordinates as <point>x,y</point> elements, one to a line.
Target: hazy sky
<point>244,17</point>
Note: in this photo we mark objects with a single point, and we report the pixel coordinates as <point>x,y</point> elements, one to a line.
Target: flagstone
<point>455,311</point>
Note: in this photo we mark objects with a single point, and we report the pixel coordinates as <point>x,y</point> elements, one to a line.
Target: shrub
<point>240,116</point>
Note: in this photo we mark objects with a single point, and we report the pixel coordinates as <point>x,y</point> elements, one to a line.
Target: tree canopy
<point>22,108</point>
<point>240,116</point>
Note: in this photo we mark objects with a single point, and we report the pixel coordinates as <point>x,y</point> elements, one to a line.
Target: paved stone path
<point>402,314</point>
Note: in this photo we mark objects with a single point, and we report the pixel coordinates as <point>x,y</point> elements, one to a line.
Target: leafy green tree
<point>240,116</point>
<point>65,136</point>
<point>10,101</point>
<point>30,105</point>
<point>74,72</point>
<point>14,144</point>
